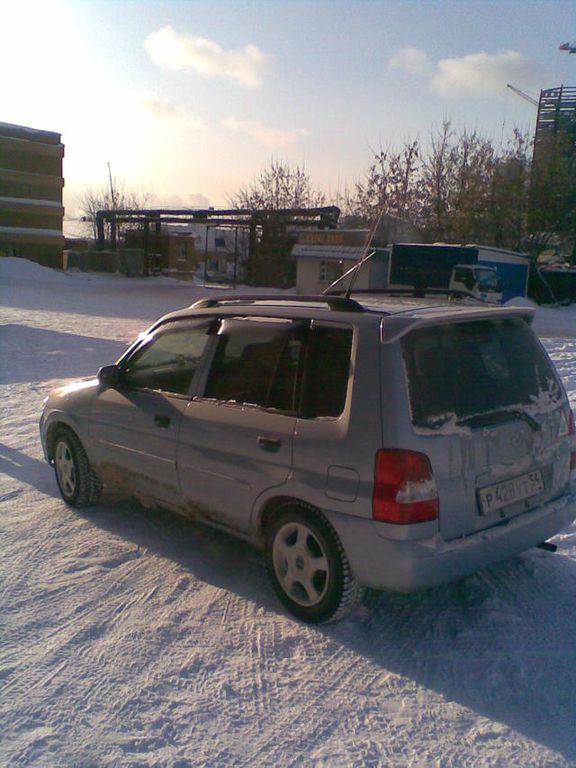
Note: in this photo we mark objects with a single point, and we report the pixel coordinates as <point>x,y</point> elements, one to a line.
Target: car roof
<point>394,312</point>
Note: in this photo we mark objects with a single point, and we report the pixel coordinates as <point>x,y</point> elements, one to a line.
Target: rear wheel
<point>78,484</point>
<point>308,567</point>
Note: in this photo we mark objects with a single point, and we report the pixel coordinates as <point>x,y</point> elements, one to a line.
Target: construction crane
<point>523,95</point>
<point>570,47</point>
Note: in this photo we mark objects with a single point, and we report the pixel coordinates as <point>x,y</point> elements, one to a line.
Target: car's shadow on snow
<point>27,470</point>
<point>213,556</point>
<point>501,643</point>
<point>57,355</point>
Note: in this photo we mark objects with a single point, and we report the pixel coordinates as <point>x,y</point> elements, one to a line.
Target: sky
<point>188,100</point>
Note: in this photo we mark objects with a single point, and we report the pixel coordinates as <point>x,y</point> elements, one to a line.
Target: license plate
<point>510,491</point>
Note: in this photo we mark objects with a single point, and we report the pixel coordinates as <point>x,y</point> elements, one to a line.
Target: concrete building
<point>323,256</point>
<point>173,252</point>
<point>31,184</point>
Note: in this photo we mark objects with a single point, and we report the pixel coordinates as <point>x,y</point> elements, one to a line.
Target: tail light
<point>404,488</point>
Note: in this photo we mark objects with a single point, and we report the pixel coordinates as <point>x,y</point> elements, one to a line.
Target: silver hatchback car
<point>358,446</point>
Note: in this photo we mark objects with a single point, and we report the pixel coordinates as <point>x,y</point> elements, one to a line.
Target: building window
<point>330,271</point>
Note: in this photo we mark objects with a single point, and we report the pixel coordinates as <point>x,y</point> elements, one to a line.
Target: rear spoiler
<point>399,324</point>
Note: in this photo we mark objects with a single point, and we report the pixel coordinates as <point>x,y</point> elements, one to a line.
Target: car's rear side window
<point>460,370</point>
<point>256,363</point>
<point>326,372</point>
<point>297,367</point>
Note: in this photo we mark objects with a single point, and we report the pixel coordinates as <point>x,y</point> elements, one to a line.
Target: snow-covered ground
<point>131,637</point>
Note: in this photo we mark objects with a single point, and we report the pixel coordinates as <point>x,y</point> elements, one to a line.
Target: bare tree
<point>456,185</point>
<point>279,185</point>
<point>473,163</point>
<point>459,189</point>
<point>509,200</point>
<point>115,196</point>
<point>390,184</point>
<point>552,209</point>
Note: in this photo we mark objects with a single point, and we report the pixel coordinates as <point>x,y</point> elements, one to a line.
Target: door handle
<point>162,421</point>
<point>271,444</point>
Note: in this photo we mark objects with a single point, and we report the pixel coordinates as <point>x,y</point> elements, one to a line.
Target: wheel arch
<point>55,426</point>
<point>79,485</point>
<point>276,504</point>
<point>340,591</point>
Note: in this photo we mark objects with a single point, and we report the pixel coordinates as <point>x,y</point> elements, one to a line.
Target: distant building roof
<point>327,252</point>
<point>30,134</point>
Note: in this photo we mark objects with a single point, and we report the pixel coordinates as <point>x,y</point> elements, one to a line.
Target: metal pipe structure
<point>323,218</point>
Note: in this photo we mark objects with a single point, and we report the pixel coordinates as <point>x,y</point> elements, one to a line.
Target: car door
<point>236,438</point>
<point>134,425</point>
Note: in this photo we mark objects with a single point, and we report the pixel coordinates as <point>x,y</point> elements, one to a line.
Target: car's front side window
<point>169,360</point>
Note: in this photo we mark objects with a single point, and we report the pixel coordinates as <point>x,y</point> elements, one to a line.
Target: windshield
<point>488,280</point>
<point>461,370</point>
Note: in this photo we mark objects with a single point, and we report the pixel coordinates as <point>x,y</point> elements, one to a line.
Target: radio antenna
<point>366,253</point>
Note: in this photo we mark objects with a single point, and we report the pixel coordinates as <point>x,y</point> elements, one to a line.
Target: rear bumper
<point>408,566</point>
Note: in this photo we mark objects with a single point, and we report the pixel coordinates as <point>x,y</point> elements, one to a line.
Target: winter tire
<point>79,486</point>
<point>308,567</point>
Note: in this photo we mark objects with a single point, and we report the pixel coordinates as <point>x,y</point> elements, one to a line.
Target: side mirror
<point>109,376</point>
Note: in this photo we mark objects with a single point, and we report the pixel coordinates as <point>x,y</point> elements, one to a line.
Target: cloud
<point>159,107</point>
<point>415,61</point>
<point>482,74</point>
<point>170,50</point>
<point>164,109</point>
<point>477,74</point>
<point>269,137</point>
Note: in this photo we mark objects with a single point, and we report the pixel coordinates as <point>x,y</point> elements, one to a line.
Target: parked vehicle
<point>358,446</point>
<point>478,281</point>
<point>203,275</point>
<point>488,274</point>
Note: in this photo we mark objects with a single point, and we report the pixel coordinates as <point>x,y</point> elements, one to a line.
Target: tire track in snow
<point>323,681</point>
<point>411,642</point>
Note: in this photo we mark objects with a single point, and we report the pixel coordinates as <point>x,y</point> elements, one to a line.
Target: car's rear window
<point>460,370</point>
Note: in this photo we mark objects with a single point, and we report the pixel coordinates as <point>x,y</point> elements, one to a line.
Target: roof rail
<point>418,293</point>
<point>336,303</point>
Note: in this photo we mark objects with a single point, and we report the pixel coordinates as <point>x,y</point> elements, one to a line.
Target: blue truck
<point>492,274</point>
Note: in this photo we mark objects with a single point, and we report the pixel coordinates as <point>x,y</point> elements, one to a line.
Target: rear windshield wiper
<point>499,417</point>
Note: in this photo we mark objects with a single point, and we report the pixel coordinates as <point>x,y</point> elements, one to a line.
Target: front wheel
<point>79,486</point>
<point>308,567</point>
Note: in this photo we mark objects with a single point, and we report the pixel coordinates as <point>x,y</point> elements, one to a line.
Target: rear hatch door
<point>488,408</point>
